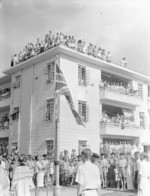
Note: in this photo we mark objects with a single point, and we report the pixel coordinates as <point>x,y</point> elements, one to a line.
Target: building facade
<point>102,92</point>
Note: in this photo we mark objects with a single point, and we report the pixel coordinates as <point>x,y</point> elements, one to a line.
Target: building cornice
<point>99,64</point>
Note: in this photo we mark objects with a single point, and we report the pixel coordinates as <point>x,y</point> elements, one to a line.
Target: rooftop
<point>83,58</point>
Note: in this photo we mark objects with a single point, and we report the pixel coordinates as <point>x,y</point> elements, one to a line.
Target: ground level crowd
<point>116,171</point>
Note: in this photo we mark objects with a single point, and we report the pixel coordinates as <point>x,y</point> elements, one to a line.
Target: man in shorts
<point>104,164</point>
<point>122,162</point>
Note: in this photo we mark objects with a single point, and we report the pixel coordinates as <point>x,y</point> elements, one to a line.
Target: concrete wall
<point>41,130</point>
<point>70,131</point>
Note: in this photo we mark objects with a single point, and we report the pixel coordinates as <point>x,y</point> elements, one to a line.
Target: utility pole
<point>57,188</point>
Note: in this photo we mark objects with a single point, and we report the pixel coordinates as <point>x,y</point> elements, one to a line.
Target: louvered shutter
<point>87,114</point>
<point>79,75</point>
<point>87,77</point>
<point>145,121</point>
<point>52,72</point>
<point>45,74</point>
<point>80,108</point>
<point>51,109</point>
<point>45,112</point>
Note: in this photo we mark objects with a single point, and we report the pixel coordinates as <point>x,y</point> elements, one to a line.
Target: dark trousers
<point>136,180</point>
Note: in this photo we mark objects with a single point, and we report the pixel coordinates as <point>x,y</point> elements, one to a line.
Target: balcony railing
<point>132,93</point>
<point>5,96</point>
<point>4,125</point>
<point>121,125</point>
<point>113,96</point>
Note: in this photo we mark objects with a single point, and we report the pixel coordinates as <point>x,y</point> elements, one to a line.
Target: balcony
<point>4,129</point>
<point>113,130</point>
<point>5,99</point>
<point>110,96</point>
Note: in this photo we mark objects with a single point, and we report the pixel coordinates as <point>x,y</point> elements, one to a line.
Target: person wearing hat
<point>95,160</point>
<point>122,170</point>
<point>105,165</point>
<point>88,177</point>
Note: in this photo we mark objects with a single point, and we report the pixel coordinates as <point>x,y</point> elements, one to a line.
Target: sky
<point>119,26</point>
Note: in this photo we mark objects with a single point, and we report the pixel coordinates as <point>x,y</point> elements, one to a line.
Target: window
<point>140,90</point>
<point>82,145</point>
<point>5,121</point>
<point>50,145</point>
<point>83,111</point>
<point>49,109</point>
<point>83,76</point>
<point>16,83</point>
<point>49,72</point>
<point>15,115</point>
<point>5,93</point>
<point>14,146</point>
<point>142,119</point>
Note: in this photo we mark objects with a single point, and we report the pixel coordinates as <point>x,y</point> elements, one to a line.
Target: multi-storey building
<point>31,106</point>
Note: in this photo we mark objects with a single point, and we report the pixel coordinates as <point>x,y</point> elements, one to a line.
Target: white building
<point>31,104</point>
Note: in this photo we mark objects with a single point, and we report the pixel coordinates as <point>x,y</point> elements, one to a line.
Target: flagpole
<point>57,188</point>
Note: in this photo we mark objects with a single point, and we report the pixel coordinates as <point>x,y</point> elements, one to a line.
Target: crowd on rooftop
<point>50,41</point>
<point>118,87</point>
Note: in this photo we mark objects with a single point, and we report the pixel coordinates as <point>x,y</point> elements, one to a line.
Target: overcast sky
<point>121,26</point>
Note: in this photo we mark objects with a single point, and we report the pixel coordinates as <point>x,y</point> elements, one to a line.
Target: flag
<point>62,89</point>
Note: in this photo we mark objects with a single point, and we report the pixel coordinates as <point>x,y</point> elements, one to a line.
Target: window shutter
<point>45,74</point>
<point>52,71</point>
<point>87,77</point>
<point>87,113</point>
<point>79,75</point>
<point>51,109</point>
<point>80,108</point>
<point>145,121</point>
<point>45,112</point>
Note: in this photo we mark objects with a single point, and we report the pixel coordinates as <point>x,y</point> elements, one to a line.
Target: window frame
<point>80,143</point>
<point>81,81</point>
<point>51,149</point>
<point>15,113</point>
<point>83,110</point>
<point>140,90</point>
<point>50,116</point>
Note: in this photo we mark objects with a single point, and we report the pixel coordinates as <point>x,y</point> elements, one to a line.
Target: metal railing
<point>115,124</point>
<point>5,96</point>
<point>123,92</point>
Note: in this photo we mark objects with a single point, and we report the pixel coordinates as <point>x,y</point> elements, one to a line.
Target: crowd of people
<point>50,40</point>
<point>5,93</point>
<point>118,164</point>
<point>118,87</point>
<point>4,122</point>
<point>117,119</point>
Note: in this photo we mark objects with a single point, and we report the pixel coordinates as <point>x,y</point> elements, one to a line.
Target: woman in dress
<point>129,172</point>
<point>39,169</point>
<point>144,177</point>
<point>4,182</point>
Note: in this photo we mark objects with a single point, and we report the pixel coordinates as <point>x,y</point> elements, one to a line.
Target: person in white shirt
<point>144,176</point>
<point>88,176</point>
<point>2,162</point>
<point>124,62</point>
<point>109,56</point>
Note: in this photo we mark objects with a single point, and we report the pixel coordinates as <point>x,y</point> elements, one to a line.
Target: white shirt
<point>88,175</point>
